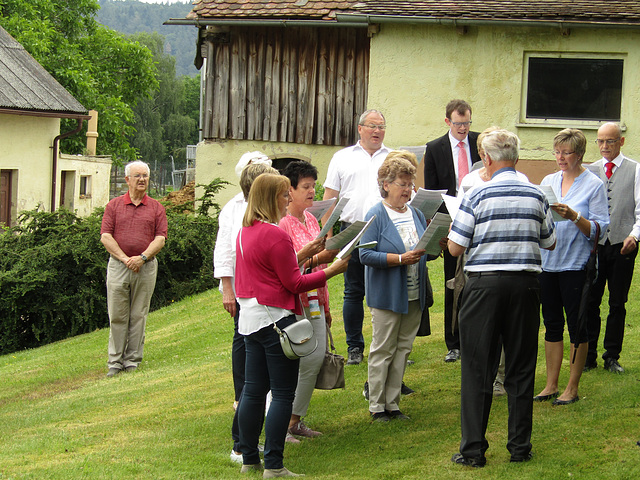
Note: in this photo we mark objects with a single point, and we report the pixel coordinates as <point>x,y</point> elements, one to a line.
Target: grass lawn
<point>61,418</point>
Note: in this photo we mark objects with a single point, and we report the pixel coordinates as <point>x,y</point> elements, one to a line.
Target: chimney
<point>92,133</point>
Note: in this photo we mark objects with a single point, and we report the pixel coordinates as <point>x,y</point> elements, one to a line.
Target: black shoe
<point>355,356</point>
<point>404,390</point>
<point>397,415</point>
<point>468,461</point>
<point>519,458</point>
<point>365,392</point>
<point>544,398</point>
<point>379,417</point>
<point>613,366</point>
<point>452,356</point>
<point>565,402</point>
<point>590,366</point>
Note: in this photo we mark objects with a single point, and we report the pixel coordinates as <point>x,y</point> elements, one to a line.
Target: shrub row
<point>53,271</point>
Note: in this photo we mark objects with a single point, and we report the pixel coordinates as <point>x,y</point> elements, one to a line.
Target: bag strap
<point>594,250</point>
<point>330,339</point>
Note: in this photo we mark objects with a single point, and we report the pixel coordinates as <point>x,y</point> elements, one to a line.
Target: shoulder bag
<point>331,373</point>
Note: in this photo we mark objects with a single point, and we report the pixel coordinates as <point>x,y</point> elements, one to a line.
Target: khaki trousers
<point>128,299</point>
<point>391,344</point>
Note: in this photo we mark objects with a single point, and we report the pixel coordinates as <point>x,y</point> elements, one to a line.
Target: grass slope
<point>61,418</point>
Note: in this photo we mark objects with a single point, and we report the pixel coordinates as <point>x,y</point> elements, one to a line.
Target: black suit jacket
<point>438,163</point>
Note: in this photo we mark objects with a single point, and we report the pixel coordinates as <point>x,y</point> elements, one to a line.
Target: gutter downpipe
<point>54,175</point>
<point>355,18</point>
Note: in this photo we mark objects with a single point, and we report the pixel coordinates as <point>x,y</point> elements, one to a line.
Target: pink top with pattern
<point>301,235</point>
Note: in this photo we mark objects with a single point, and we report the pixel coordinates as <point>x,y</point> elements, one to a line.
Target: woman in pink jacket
<point>268,282</point>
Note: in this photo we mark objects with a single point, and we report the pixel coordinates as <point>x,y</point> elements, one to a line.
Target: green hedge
<point>53,271</point>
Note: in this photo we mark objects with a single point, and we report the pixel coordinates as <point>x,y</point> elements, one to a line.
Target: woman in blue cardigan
<point>395,283</point>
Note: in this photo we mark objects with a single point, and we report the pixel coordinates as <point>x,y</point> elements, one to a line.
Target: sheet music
<point>333,218</point>
<point>320,207</point>
<point>438,228</point>
<point>452,204</point>
<point>353,244</point>
<point>553,200</point>
<point>340,240</point>
<point>427,201</point>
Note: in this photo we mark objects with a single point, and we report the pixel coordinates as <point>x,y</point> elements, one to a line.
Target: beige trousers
<point>128,299</point>
<point>391,344</point>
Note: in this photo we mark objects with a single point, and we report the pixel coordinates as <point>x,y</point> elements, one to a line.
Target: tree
<point>162,125</point>
<point>100,67</point>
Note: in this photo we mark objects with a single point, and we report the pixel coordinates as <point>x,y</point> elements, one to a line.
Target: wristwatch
<point>143,257</point>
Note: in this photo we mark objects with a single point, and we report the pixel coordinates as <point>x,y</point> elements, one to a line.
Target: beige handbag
<point>331,373</point>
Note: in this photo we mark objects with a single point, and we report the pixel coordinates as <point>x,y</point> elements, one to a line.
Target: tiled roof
<point>26,85</point>
<point>274,9</point>
<point>611,12</point>
<point>601,11</point>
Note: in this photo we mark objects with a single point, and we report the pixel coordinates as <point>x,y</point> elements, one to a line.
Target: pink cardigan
<point>267,268</point>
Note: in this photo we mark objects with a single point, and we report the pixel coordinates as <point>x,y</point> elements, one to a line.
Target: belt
<point>499,273</point>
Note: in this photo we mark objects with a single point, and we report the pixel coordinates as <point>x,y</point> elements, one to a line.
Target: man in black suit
<point>446,161</point>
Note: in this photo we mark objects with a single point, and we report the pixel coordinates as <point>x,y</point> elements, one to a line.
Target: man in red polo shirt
<point>134,229</point>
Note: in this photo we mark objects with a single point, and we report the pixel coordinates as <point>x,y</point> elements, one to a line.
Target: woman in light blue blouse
<point>582,202</point>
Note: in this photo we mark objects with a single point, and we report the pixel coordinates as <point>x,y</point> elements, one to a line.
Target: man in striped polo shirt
<point>502,225</point>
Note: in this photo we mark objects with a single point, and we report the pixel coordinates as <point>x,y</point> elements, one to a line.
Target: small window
<point>574,88</point>
<point>85,186</point>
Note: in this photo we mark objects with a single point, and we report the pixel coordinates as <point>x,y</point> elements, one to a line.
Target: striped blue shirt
<point>503,224</point>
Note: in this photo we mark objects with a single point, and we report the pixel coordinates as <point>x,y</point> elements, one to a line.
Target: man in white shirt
<point>618,248</point>
<point>353,173</point>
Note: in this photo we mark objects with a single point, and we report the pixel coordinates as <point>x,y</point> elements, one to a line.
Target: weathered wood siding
<point>298,85</point>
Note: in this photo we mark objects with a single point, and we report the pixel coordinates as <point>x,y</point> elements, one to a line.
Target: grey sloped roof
<point>26,85</point>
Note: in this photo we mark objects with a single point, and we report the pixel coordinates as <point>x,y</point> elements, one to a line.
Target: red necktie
<point>609,169</point>
<point>463,162</point>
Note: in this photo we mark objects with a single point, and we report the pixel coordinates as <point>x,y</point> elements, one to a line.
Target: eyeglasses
<point>403,185</point>
<point>562,154</point>
<point>609,141</point>
<point>138,176</point>
<point>461,124</point>
<point>375,127</point>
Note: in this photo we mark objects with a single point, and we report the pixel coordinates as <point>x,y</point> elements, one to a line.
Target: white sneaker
<point>236,457</point>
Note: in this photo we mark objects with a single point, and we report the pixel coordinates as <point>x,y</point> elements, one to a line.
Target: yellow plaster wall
<point>99,169</point>
<point>417,69</point>
<point>219,159</point>
<point>26,148</point>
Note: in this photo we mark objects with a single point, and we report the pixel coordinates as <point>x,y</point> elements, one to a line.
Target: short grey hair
<point>364,116</point>
<point>502,146</point>
<point>137,163</point>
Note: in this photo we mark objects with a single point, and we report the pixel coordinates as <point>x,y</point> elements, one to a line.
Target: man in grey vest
<point>618,247</point>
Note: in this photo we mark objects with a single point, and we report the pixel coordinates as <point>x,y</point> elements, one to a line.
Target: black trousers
<point>451,338</point>
<point>615,270</point>
<point>505,305</point>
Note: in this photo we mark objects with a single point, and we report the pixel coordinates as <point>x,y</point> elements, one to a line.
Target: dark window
<point>85,186</point>
<point>574,88</point>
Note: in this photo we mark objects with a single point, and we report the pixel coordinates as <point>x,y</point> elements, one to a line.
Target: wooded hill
<point>133,16</point>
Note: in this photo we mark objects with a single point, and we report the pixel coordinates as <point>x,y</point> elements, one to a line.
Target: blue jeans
<point>352,308</point>
<point>267,368</point>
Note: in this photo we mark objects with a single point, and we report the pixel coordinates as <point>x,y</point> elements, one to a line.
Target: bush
<point>53,272</point>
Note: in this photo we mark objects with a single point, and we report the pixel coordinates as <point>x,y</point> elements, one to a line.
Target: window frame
<point>562,122</point>
<point>85,184</point>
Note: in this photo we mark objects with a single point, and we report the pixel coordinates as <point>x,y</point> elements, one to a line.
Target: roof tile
<point>596,11</point>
